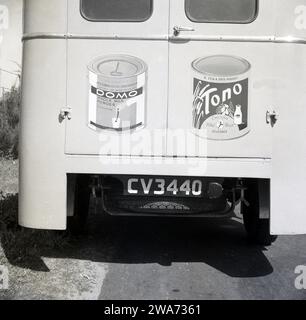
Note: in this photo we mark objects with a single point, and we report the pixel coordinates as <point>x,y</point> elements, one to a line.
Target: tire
<point>258,230</point>
<point>77,223</point>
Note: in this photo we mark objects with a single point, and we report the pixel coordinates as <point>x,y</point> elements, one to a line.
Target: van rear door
<point>100,33</point>
<point>229,103</point>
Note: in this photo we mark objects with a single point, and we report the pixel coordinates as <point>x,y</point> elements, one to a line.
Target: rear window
<point>117,10</point>
<point>221,11</point>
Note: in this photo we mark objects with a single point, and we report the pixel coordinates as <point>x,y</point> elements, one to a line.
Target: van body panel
<point>45,16</point>
<point>262,26</point>
<point>192,166</point>
<point>155,26</point>
<point>42,188</point>
<point>288,206</point>
<point>257,143</point>
<point>80,138</point>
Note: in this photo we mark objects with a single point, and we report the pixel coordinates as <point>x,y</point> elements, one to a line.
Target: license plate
<point>177,187</point>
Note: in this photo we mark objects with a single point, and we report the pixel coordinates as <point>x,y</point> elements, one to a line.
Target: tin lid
<point>221,65</point>
<point>118,66</point>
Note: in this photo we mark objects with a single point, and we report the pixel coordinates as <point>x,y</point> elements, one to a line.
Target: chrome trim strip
<point>223,38</point>
<point>263,39</point>
<point>33,36</point>
<point>290,39</point>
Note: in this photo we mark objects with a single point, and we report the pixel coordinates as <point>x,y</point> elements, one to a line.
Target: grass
<point>9,123</point>
<point>8,176</point>
<point>20,245</point>
<point>21,249</point>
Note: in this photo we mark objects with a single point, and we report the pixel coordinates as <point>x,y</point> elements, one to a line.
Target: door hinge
<point>271,118</point>
<point>65,113</point>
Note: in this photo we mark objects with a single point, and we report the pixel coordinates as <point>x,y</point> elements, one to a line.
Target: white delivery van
<point>165,108</point>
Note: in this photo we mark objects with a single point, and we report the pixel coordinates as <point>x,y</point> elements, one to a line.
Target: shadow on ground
<point>218,243</point>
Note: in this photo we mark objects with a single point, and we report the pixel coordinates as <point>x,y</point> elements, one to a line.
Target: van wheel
<point>258,230</point>
<point>77,223</point>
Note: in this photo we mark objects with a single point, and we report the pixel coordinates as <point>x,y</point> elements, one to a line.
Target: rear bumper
<point>204,167</point>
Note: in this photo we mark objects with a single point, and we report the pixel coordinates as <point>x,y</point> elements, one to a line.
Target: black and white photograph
<point>152,151</point>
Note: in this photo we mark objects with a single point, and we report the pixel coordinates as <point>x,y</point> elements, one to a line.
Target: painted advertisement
<point>221,97</point>
<point>117,93</point>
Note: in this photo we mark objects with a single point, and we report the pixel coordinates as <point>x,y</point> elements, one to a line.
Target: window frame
<point>116,21</point>
<point>223,22</point>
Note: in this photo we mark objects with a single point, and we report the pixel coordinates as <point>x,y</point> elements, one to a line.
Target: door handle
<point>177,30</point>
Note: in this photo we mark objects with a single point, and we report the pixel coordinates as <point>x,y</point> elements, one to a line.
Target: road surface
<point>155,258</point>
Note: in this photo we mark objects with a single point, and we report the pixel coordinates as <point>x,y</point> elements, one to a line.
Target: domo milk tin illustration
<point>221,97</point>
<point>117,92</point>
